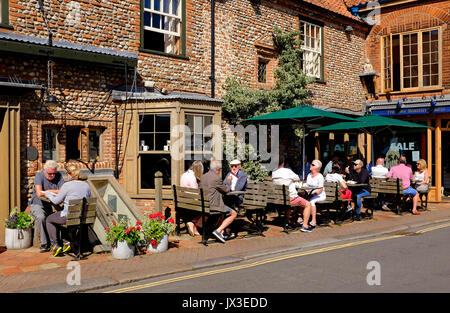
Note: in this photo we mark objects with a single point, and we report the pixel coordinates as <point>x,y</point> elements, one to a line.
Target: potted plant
<point>18,231</point>
<point>156,230</point>
<point>123,239</point>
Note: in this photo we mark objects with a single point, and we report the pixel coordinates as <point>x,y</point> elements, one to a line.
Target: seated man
<point>212,184</point>
<point>238,183</point>
<point>403,172</point>
<point>49,179</point>
<point>285,176</point>
<point>379,171</point>
<point>360,175</point>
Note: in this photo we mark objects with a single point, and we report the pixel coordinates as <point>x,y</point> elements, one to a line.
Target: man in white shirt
<point>379,171</point>
<point>285,176</point>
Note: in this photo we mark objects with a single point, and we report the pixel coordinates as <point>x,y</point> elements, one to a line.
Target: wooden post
<point>158,191</point>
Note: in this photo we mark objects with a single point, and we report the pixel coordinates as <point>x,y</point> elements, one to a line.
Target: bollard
<point>158,191</point>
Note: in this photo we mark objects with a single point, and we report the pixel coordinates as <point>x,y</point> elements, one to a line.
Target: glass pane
<point>407,72</point>
<point>414,60</point>
<point>198,142</point>
<point>94,144</point>
<point>426,36</point>
<point>198,124</point>
<point>189,122</point>
<point>147,4</point>
<point>406,61</point>
<point>426,70</point>
<point>406,40</point>
<point>414,49</point>
<point>175,7</point>
<point>146,142</point>
<point>426,58</point>
<point>156,5</point>
<point>162,142</point>
<point>435,57</point>
<point>435,80</point>
<point>413,38</point>
<point>207,120</point>
<point>406,83</point>
<point>426,47</point>
<point>147,17</point>
<point>414,82</point>
<point>162,123</point>
<point>156,21</point>
<point>166,6</point>
<point>434,46</point>
<point>152,163</point>
<point>435,69</point>
<point>415,71</point>
<point>435,35</point>
<point>146,123</point>
<point>426,80</point>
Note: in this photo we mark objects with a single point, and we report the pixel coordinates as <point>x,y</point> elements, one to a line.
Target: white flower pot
<point>162,246</point>
<point>18,238</point>
<point>122,250</point>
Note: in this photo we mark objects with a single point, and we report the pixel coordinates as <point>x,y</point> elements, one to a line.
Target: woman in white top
<point>191,179</point>
<point>315,180</point>
<point>421,176</point>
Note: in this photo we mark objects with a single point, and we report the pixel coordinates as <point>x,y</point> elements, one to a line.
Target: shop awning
<point>17,86</point>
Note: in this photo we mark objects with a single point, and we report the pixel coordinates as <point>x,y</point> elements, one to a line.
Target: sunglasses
<point>315,165</point>
<point>51,173</point>
<point>235,165</point>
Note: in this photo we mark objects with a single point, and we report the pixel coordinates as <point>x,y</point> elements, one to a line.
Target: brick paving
<point>28,268</point>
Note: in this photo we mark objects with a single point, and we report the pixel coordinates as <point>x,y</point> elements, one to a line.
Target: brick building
<point>124,73</point>
<point>409,48</point>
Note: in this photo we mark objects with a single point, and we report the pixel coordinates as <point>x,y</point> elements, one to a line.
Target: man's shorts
<point>298,201</point>
<point>410,191</point>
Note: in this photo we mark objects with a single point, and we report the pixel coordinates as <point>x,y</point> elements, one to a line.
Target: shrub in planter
<point>18,230</point>
<point>123,238</point>
<point>155,229</point>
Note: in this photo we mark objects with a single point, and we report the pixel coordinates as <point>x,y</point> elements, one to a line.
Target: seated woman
<point>191,179</point>
<point>336,177</point>
<point>315,180</point>
<point>421,176</point>
<point>75,188</point>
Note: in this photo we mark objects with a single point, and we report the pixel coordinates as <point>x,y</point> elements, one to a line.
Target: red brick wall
<point>411,17</point>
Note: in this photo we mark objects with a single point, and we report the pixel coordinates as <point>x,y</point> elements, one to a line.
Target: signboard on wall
<point>410,111</point>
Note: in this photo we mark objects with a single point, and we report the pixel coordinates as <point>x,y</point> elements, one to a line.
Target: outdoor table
<point>356,185</point>
<point>47,202</point>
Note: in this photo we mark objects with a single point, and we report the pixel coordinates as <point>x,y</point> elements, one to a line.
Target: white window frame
<point>312,52</point>
<point>177,16</point>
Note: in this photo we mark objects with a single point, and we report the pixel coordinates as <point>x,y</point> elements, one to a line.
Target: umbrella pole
<point>303,153</point>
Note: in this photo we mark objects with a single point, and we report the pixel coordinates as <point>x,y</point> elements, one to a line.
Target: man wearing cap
<point>238,183</point>
<point>360,175</point>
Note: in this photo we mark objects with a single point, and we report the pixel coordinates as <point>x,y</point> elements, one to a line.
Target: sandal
<point>416,213</point>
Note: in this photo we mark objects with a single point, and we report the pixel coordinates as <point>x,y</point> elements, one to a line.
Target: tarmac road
<point>414,261</point>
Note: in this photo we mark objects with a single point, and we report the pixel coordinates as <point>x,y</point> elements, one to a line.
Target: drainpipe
<point>213,49</point>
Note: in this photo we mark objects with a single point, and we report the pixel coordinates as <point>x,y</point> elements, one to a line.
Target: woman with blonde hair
<point>75,188</point>
<point>421,176</point>
<point>315,179</point>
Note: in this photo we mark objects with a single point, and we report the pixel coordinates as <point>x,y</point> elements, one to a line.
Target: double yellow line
<point>266,261</point>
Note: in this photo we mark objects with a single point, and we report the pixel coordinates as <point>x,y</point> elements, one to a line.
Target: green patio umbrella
<point>371,124</point>
<point>308,116</point>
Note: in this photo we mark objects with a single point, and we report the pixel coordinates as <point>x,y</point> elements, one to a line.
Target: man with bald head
<point>379,171</point>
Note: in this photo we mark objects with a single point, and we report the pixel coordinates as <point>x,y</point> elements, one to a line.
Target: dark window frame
<point>4,14</point>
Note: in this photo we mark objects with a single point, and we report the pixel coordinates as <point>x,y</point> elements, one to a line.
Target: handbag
<point>422,188</point>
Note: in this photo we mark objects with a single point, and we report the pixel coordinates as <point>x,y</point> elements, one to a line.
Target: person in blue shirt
<point>238,182</point>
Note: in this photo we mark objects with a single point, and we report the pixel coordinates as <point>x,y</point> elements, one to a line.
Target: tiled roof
<point>351,3</point>
<point>336,6</point>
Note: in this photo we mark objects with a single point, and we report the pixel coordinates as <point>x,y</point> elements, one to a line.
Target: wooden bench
<point>384,188</point>
<point>254,206</point>
<point>190,202</point>
<point>278,196</point>
<point>333,200</point>
<point>375,199</point>
<point>81,215</point>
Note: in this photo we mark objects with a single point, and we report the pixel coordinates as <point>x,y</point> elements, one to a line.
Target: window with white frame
<point>162,25</point>
<point>311,38</point>
<point>412,60</point>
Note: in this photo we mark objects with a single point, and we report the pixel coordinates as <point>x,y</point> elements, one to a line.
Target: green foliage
<point>242,102</point>
<point>155,227</point>
<point>122,232</point>
<point>19,220</point>
<point>250,166</point>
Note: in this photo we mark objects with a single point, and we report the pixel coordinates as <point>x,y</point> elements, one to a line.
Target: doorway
<point>446,165</point>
